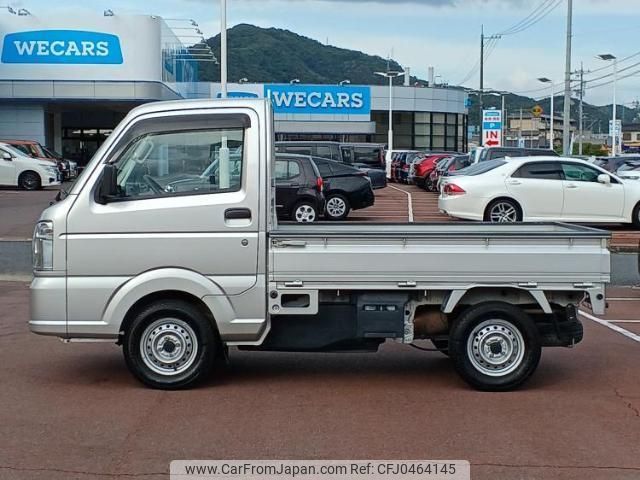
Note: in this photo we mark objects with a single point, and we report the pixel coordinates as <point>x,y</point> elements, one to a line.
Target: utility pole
<point>580,93</point>
<point>483,38</point>
<point>566,121</point>
<point>480,100</point>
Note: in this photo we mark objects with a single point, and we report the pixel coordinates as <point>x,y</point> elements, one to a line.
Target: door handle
<point>289,243</point>
<point>571,185</point>
<point>237,214</point>
<point>515,182</point>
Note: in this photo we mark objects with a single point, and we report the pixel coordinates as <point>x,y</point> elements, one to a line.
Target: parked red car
<point>424,168</point>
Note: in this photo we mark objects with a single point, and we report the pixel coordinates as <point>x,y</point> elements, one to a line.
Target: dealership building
<point>67,82</point>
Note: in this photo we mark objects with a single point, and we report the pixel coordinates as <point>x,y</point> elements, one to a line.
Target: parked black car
<point>345,188</point>
<point>491,153</point>
<point>378,177</point>
<point>299,188</point>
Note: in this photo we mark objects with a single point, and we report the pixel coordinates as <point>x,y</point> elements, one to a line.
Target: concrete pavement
<point>72,411</point>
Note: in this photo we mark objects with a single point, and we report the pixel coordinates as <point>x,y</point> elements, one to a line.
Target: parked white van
<point>20,170</point>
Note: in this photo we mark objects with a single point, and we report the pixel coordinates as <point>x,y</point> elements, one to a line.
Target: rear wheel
<point>494,346</point>
<point>503,211</point>
<point>305,212</point>
<point>635,219</point>
<point>337,207</point>
<point>171,345</point>
<point>29,181</point>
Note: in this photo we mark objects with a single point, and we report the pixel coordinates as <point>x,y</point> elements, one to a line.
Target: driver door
<point>7,169</point>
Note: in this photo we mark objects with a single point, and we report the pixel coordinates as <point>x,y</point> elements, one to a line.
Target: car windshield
<point>16,151</point>
<point>480,168</point>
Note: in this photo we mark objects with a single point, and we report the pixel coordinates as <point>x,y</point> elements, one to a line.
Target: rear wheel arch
<point>493,201</point>
<point>635,216</point>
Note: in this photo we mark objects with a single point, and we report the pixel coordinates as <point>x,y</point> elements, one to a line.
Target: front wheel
<point>337,207</point>
<point>170,345</point>
<point>29,181</point>
<point>495,346</point>
<point>305,212</point>
<point>503,211</point>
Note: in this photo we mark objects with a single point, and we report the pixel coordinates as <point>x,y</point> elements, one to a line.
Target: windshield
<point>15,151</point>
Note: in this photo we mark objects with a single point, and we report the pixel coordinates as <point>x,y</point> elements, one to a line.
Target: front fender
<point>158,280</point>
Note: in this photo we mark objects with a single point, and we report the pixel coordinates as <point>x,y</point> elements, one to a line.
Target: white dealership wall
<point>29,90</point>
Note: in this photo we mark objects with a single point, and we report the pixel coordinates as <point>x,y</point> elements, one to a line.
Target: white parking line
<point>409,202</point>
<point>612,326</point>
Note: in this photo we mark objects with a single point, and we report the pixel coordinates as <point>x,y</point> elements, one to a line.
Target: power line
<point>611,74</point>
<point>544,9</point>
<point>632,74</point>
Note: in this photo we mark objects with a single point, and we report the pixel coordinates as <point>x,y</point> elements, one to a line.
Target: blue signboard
<point>62,47</point>
<point>319,99</point>
<point>238,95</point>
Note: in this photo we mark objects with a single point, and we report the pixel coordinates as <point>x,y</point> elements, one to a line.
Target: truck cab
<point>169,245</point>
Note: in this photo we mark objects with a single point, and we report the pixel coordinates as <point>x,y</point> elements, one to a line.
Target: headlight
<point>51,170</point>
<point>43,246</point>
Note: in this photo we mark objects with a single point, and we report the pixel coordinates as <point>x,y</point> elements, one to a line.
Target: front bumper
<point>48,306</point>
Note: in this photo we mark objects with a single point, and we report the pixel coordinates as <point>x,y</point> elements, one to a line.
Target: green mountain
<point>273,55</point>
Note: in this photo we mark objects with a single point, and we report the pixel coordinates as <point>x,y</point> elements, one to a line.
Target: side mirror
<point>108,184</point>
<point>604,179</point>
<point>7,156</point>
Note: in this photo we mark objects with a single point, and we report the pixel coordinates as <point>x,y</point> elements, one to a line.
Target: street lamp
<point>23,12</point>
<point>295,80</point>
<point>344,82</point>
<point>108,13</point>
<point>390,75</point>
<point>607,57</point>
<point>547,80</point>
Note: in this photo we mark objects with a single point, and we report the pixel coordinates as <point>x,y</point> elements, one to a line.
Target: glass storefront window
<point>422,129</point>
<point>438,118</point>
<point>438,142</point>
<point>438,129</point>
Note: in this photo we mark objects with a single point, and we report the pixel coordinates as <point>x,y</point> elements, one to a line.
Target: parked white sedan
<point>541,189</point>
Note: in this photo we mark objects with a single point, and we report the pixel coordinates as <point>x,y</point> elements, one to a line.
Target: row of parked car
<point>29,165</point>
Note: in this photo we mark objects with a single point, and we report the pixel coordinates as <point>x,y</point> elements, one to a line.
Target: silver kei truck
<point>168,244</point>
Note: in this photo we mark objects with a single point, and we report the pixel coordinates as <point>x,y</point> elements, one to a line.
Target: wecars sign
<point>61,46</point>
<point>319,99</point>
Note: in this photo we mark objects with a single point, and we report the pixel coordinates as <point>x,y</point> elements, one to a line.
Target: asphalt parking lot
<point>72,411</point>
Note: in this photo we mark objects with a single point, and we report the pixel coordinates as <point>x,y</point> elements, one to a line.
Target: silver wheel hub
<point>495,347</point>
<point>503,213</point>
<point>336,207</point>
<point>168,346</point>
<point>305,213</point>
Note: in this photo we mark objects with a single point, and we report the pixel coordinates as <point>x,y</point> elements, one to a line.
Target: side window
<point>539,171</point>
<point>579,173</point>
<point>287,169</point>
<point>323,151</point>
<point>298,149</point>
<point>346,155</point>
<point>323,168</point>
<point>181,163</point>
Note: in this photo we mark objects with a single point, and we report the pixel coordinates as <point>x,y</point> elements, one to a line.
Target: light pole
<point>607,57</point>
<point>390,75</point>
<point>547,80</point>
<point>344,82</point>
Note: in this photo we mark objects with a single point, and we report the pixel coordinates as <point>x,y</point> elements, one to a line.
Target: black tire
<point>181,324</point>
<point>29,181</point>
<point>442,345</point>
<point>503,210</point>
<point>304,212</point>
<point>499,324</point>
<point>341,208</point>
<point>635,216</point>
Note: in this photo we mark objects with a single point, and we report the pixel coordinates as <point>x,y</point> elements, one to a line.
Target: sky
<point>441,33</point>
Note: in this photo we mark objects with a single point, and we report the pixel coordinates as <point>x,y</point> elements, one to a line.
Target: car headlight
<point>51,170</point>
<point>42,246</point>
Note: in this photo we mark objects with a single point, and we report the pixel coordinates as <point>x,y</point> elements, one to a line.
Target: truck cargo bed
<point>331,255</point>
